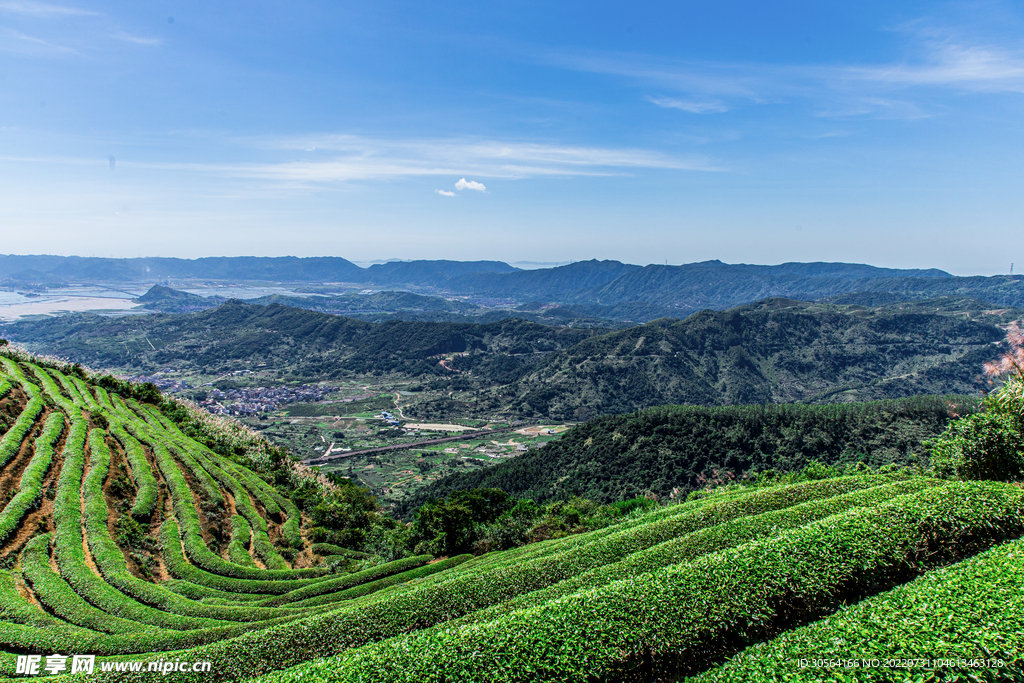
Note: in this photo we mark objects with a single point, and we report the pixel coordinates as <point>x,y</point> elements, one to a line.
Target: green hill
<point>774,351</point>
<point>149,535</point>
<point>308,343</point>
<point>167,300</point>
<point>672,450</point>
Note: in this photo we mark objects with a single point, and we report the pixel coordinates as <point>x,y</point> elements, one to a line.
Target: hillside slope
<point>125,538</point>
<point>672,450</point>
<point>776,351</point>
<point>237,335</point>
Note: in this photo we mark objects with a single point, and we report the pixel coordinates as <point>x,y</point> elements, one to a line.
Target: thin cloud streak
<point>20,43</point>
<point>690,106</point>
<point>954,65</point>
<point>38,9</point>
<point>349,158</point>
<point>354,157</point>
<point>138,40</point>
<point>850,89</point>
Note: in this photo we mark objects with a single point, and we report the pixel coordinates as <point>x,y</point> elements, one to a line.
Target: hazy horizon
<point>522,265</point>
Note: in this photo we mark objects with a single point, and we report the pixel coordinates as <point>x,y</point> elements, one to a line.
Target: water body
<point>14,305</point>
<point>242,291</point>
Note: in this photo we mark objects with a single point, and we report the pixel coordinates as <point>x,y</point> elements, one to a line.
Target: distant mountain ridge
<point>774,351</point>
<point>635,293</point>
<point>482,277</point>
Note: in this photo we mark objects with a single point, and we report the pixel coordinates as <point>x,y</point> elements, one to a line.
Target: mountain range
<point>774,351</point>
<point>592,292</point>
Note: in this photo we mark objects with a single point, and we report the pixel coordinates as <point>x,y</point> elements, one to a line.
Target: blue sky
<point>878,132</point>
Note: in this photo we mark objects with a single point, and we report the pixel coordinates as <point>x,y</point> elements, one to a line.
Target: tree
<point>449,526</point>
<point>989,445</point>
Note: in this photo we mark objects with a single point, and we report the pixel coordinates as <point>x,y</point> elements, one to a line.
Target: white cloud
<point>138,40</point>
<point>378,157</point>
<point>38,9</point>
<point>343,159</point>
<point>21,43</point>
<point>446,193</point>
<point>952,64</point>
<point>470,185</point>
<point>694,107</point>
<point>938,60</point>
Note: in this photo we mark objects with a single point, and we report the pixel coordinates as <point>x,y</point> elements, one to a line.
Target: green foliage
<point>179,568</point>
<point>340,583</point>
<point>145,482</point>
<point>528,522</point>
<point>330,549</point>
<point>128,532</point>
<point>727,534</point>
<point>147,393</point>
<point>671,451</point>
<point>30,487</point>
<point>241,538</point>
<point>370,587</point>
<point>983,446</point>
<point>972,611</point>
<point>627,590</point>
<point>11,441</point>
<point>447,527</point>
<point>484,582</point>
<point>669,621</point>
<point>61,599</point>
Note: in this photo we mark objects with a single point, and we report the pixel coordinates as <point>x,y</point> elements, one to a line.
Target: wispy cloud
<point>20,43</point>
<point>39,9</point>
<point>694,107</point>
<point>138,40</point>
<point>877,107</point>
<point>940,61</point>
<point>951,64</point>
<point>445,193</point>
<point>350,158</point>
<point>340,159</point>
<point>464,184</point>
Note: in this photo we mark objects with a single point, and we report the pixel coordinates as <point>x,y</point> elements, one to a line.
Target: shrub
<point>241,537</point>
<point>342,582</point>
<point>985,445</point>
<point>179,568</point>
<point>30,486</point>
<point>370,587</point>
<point>329,549</point>
<point>111,562</point>
<point>67,537</point>
<point>971,611</point>
<point>54,592</point>
<point>145,482</point>
<point>490,582</point>
<point>676,620</point>
<point>11,441</point>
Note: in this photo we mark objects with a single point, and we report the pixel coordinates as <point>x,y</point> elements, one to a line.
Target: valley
<point>593,342</point>
<point>340,500</point>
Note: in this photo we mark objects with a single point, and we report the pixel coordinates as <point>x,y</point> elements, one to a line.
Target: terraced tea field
<point>122,537</point>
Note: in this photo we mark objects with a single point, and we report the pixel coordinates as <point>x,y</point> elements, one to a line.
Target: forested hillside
<point>775,351</point>
<point>304,343</point>
<point>159,540</point>
<point>673,450</point>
